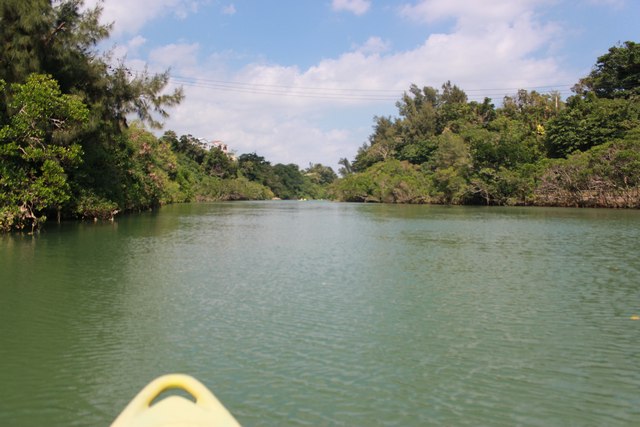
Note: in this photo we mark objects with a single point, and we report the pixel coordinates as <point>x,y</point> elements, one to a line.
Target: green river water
<point>323,314</point>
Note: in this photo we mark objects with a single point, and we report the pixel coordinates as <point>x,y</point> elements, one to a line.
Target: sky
<point>300,81</point>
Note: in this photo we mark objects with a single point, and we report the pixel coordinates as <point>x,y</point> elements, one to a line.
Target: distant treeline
<point>536,149</point>
<point>66,149</point>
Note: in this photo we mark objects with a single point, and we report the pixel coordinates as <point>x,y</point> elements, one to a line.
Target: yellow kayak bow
<point>174,411</point>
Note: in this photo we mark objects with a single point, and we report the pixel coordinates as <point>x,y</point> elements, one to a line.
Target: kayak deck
<point>175,410</point>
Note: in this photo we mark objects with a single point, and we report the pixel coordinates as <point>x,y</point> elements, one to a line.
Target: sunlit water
<point>315,313</point>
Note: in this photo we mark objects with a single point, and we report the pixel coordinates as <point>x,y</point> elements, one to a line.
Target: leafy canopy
<point>37,149</point>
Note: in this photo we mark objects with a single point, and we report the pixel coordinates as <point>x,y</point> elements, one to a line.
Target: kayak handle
<point>195,388</point>
<point>143,400</point>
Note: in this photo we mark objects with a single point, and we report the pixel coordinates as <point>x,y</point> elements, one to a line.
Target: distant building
<point>208,145</point>
<point>222,146</point>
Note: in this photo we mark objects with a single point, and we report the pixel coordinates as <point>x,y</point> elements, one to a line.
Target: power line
<point>342,94</point>
<point>264,85</point>
<point>291,91</point>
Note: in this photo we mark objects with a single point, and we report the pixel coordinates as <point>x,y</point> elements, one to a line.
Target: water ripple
<point>330,314</point>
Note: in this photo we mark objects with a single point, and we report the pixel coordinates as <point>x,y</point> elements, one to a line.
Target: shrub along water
<point>536,149</point>
<point>69,150</point>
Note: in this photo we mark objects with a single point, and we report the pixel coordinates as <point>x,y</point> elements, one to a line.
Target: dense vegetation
<point>536,149</point>
<point>67,149</point>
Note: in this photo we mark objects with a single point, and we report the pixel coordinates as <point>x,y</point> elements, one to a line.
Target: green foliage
<point>187,146</point>
<point>318,181</point>
<point>219,164</point>
<point>392,181</point>
<point>453,109</point>
<point>616,73</point>
<point>320,174</point>
<point>424,114</point>
<point>37,149</point>
<point>286,181</point>
<point>503,186</point>
<point>57,39</point>
<point>355,187</point>
<point>215,189</point>
<point>472,153</point>
<point>255,168</point>
<point>451,165</point>
<point>452,152</point>
<point>607,175</point>
<point>418,119</point>
<point>420,151</point>
<point>346,167</point>
<point>71,169</point>
<point>515,144</point>
<point>60,38</point>
<point>532,108</point>
<point>289,182</point>
<point>449,187</point>
<point>365,158</point>
<point>140,95</point>
<point>66,147</point>
<point>588,122</point>
<point>91,206</point>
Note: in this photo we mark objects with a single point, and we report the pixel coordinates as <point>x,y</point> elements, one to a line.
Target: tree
<point>532,108</point>
<point>418,118</point>
<point>607,175</point>
<point>38,147</point>
<point>140,94</point>
<point>217,163</point>
<point>588,122</point>
<point>392,181</point>
<point>188,145</point>
<point>57,38</point>
<point>52,37</point>
<point>346,169</point>
<point>451,165</point>
<point>60,38</point>
<point>452,108</point>
<point>291,183</point>
<point>365,158</point>
<point>616,73</point>
<point>320,174</point>
<point>484,113</point>
<point>385,138</point>
<point>256,168</point>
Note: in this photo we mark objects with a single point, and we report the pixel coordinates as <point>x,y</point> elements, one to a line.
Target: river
<point>318,313</point>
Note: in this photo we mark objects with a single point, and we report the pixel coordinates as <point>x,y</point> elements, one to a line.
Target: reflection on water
<point>329,314</point>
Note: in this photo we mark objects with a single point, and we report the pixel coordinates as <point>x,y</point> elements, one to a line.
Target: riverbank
<point>605,176</point>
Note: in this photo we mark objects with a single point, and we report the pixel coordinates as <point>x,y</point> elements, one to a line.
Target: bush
<point>215,189</point>
<point>605,176</point>
<point>92,206</point>
<point>392,181</point>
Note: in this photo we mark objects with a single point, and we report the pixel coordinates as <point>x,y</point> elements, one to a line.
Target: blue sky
<point>299,81</point>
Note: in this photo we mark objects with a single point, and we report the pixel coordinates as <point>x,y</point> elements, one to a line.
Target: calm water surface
<point>314,313</point>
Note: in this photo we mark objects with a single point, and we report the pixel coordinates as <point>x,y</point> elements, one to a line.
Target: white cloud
<point>502,38</point>
<point>323,112</point>
<point>130,16</point>
<point>374,45</point>
<point>358,7</point>
<point>616,4</point>
<point>466,11</point>
<point>136,42</point>
<point>280,117</point>
<point>229,10</point>
<point>174,55</point>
